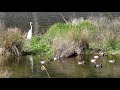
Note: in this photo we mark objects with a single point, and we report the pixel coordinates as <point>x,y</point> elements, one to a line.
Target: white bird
<point>43,62</point>
<point>93,60</point>
<point>112,61</point>
<point>96,57</point>
<point>29,35</point>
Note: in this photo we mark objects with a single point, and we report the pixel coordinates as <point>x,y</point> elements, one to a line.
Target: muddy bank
<point>79,51</point>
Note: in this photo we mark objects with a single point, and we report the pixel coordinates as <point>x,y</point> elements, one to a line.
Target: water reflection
<point>5,72</point>
<point>74,67</point>
<point>31,63</point>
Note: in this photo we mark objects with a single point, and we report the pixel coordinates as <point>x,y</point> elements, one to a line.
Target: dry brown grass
<point>72,41</point>
<point>107,34</point>
<point>11,37</point>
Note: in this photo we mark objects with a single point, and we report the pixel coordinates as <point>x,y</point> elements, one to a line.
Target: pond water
<point>30,67</point>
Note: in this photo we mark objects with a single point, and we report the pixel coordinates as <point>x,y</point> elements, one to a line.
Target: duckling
<point>93,60</point>
<point>99,65</point>
<point>43,62</point>
<point>81,62</point>
<point>96,57</point>
<point>112,61</point>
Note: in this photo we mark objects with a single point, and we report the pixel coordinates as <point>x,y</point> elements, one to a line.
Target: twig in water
<point>43,68</point>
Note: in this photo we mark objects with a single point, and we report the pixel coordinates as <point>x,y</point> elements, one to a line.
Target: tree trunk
<point>35,18</point>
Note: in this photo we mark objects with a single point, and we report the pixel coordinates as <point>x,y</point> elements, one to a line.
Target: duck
<point>99,65</point>
<point>93,60</point>
<point>96,57</point>
<point>43,62</point>
<point>103,53</point>
<point>112,61</point>
<point>81,62</point>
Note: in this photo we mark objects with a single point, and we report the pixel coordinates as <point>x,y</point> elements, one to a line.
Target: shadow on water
<point>74,67</point>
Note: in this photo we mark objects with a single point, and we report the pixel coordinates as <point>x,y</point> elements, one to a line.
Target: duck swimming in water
<point>96,57</point>
<point>112,61</point>
<point>93,60</point>
<point>81,62</point>
<point>103,53</point>
<point>99,65</point>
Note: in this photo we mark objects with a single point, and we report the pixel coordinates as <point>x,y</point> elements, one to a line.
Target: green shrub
<point>59,29</point>
<point>62,34</point>
<point>38,47</point>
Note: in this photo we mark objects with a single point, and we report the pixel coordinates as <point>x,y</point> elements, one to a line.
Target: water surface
<point>30,67</point>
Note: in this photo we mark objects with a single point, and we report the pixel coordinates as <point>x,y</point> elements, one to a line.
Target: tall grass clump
<point>59,29</point>
<point>68,37</point>
<point>107,35</point>
<point>73,41</point>
<point>12,40</point>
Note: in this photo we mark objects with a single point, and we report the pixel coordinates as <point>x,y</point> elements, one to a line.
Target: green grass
<point>60,29</point>
<point>37,46</point>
